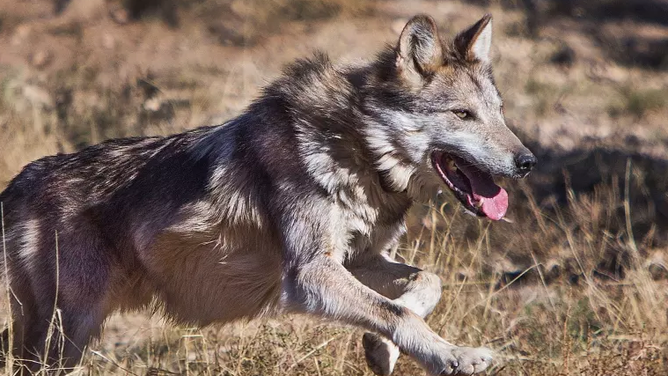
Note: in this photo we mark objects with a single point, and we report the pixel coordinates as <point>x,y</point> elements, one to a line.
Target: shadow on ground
<point>639,39</point>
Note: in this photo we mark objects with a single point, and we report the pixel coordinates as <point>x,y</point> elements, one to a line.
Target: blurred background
<point>576,285</point>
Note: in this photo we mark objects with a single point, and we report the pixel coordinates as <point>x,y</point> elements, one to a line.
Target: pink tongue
<point>495,207</point>
<point>494,198</point>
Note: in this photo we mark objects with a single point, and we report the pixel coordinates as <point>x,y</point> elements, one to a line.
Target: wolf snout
<point>524,162</point>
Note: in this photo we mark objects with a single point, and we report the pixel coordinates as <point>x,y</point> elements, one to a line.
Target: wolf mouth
<point>472,186</point>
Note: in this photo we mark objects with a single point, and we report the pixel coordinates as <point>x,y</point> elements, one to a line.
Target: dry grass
<point>576,285</point>
<point>544,325</point>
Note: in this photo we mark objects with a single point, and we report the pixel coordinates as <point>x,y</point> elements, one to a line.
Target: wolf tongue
<point>494,207</point>
<point>494,198</point>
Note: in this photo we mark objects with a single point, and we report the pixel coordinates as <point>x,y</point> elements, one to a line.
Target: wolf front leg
<point>324,287</point>
<point>418,291</point>
<point>411,287</point>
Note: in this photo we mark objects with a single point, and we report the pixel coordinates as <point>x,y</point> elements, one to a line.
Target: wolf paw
<point>381,354</point>
<point>470,360</point>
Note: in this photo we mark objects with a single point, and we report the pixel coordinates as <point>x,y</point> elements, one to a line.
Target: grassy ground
<point>575,285</point>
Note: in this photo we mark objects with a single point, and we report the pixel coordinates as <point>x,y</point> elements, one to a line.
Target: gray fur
<point>285,208</point>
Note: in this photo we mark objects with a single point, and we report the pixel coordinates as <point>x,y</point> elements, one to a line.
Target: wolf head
<point>439,118</point>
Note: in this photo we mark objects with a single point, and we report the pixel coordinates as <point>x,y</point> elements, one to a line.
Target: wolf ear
<point>419,49</point>
<point>475,42</point>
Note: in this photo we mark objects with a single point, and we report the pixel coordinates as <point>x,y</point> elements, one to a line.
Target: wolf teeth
<point>478,204</point>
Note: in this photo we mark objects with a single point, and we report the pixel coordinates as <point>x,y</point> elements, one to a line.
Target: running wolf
<point>290,207</point>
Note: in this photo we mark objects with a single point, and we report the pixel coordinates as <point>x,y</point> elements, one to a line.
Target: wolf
<point>290,207</point>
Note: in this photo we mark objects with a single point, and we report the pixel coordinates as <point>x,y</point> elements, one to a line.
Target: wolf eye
<point>463,114</point>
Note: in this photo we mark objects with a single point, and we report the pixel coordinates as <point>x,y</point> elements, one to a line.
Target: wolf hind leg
<point>58,311</point>
<point>411,287</point>
<point>47,341</point>
<point>55,344</point>
<point>78,328</point>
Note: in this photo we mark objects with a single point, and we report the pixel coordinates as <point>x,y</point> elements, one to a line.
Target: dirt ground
<point>577,284</point>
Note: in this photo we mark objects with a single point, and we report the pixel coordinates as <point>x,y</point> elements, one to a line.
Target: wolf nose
<point>525,163</point>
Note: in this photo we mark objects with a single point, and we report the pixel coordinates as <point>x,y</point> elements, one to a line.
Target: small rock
<point>120,16</point>
<point>463,275</point>
<point>564,57</point>
<point>21,33</point>
<point>41,59</point>
<point>156,109</point>
<point>108,41</point>
<point>657,271</point>
<point>553,270</point>
<point>232,33</point>
<point>153,105</point>
<point>37,96</point>
<point>657,267</point>
<point>84,10</point>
